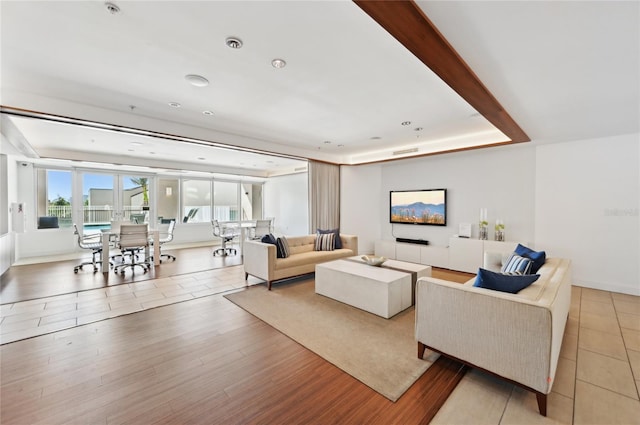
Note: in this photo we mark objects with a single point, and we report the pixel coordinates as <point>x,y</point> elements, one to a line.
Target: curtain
<point>324,196</point>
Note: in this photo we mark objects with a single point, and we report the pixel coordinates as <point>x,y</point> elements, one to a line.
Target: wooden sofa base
<point>540,397</point>
<point>269,282</point>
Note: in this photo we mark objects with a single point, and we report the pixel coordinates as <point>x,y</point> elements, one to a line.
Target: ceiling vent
<point>405,151</point>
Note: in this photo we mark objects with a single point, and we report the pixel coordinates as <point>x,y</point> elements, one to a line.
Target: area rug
<point>381,353</point>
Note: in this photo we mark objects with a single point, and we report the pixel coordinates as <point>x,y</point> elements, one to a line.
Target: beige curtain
<point>324,196</point>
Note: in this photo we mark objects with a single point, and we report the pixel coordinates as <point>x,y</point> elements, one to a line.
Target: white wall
<point>287,199</point>
<point>578,200</point>
<point>361,205</point>
<point>587,209</point>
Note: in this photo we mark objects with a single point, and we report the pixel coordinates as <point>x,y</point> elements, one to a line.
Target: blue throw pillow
<point>269,239</point>
<point>337,243</point>
<point>538,257</point>
<point>503,282</point>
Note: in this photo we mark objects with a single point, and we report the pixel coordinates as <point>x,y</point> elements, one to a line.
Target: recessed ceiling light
<point>406,123</point>
<point>327,142</point>
<point>130,150</point>
<point>201,158</point>
<point>136,143</point>
<point>278,63</point>
<point>417,129</point>
<point>174,104</point>
<point>207,112</point>
<point>152,153</point>
<point>233,42</point>
<point>376,138</point>
<point>341,145</point>
<point>112,8</point>
<point>196,80</point>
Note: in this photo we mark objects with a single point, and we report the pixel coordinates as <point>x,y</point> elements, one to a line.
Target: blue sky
<point>59,183</point>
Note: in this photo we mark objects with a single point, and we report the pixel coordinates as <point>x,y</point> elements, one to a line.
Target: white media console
<point>462,254</point>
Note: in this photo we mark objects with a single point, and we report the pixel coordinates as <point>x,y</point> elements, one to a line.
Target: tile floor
<point>40,316</point>
<point>597,380</point>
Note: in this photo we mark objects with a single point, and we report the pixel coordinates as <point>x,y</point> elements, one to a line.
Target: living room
<point>573,191</point>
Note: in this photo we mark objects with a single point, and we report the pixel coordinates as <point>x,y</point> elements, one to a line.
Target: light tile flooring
<point>596,383</point>
<point>27,319</point>
<point>597,380</point>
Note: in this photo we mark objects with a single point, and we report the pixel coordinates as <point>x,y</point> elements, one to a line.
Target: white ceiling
<point>562,70</point>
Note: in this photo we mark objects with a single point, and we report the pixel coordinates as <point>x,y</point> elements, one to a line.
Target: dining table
<point>111,234</point>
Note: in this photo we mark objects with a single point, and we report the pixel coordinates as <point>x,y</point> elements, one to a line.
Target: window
<point>225,201</point>
<point>54,197</point>
<point>196,201</point>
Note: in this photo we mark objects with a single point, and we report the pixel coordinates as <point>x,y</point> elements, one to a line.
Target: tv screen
<point>427,206</point>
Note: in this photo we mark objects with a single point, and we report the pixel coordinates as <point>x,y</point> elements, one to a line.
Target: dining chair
<point>92,242</point>
<point>132,239</point>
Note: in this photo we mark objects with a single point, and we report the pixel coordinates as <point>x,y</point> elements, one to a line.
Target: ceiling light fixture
<point>278,63</point>
<point>376,138</point>
<point>174,104</point>
<point>417,129</point>
<point>327,142</point>
<point>233,42</point>
<point>196,80</point>
<point>406,123</point>
<point>112,8</point>
<point>207,112</point>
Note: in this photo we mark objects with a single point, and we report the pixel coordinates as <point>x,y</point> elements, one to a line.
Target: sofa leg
<point>246,276</point>
<point>542,403</point>
<point>421,348</point>
<point>269,285</point>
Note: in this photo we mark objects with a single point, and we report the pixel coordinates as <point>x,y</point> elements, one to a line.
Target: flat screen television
<point>428,206</point>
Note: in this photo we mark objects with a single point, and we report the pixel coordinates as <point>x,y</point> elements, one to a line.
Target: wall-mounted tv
<point>428,206</point>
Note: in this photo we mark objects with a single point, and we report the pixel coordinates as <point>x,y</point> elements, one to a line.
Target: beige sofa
<point>260,258</point>
<point>514,336</point>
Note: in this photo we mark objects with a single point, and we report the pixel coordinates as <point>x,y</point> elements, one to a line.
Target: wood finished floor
<point>200,361</point>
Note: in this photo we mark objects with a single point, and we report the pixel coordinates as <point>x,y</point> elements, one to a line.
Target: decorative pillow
<point>538,257</point>
<point>269,239</point>
<point>517,265</point>
<point>325,242</point>
<point>283,247</point>
<point>502,282</point>
<point>337,241</point>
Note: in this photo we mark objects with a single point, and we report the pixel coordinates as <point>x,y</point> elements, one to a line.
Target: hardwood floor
<point>200,361</point>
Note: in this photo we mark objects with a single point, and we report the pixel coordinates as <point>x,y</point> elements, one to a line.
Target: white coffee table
<point>384,291</point>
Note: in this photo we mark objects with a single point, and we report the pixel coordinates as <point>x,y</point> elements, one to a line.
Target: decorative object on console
<point>483,224</point>
<point>373,260</point>
<point>499,230</point>
<point>464,230</point>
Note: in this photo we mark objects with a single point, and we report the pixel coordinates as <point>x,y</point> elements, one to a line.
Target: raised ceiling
<point>562,70</point>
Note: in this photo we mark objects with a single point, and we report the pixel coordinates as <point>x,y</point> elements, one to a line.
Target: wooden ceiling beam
<point>408,24</point>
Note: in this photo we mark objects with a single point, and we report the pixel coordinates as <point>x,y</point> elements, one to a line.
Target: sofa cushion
<point>337,242</point>
<point>311,257</point>
<point>325,242</point>
<point>517,265</point>
<point>538,257</point>
<point>283,247</point>
<point>502,282</point>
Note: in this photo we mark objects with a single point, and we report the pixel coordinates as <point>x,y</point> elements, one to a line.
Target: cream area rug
<point>381,353</point>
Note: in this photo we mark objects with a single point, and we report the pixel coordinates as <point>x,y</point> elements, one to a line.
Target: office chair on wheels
<point>92,242</point>
<point>263,227</point>
<point>133,238</point>
<point>227,234</point>
<point>164,238</point>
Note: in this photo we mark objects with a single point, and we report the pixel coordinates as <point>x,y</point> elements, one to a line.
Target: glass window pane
<point>98,208</point>
<point>225,201</point>
<point>54,196</point>
<point>251,201</point>
<point>196,201</point>
<point>135,198</point>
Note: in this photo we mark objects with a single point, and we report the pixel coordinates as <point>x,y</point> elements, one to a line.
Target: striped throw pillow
<point>325,242</point>
<point>282,245</point>
<point>517,265</point>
